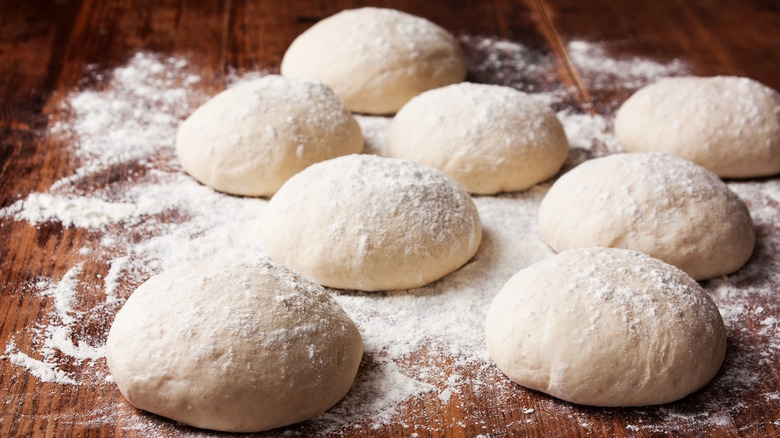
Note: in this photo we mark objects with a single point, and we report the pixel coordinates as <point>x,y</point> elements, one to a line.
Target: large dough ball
<point>371,223</point>
<point>249,139</point>
<point>235,347</point>
<point>606,327</point>
<point>727,124</point>
<point>489,138</point>
<point>655,203</point>
<point>376,59</point>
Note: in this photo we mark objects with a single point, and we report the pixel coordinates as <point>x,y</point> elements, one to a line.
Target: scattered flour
<point>114,277</point>
<point>64,294</point>
<point>81,212</point>
<point>61,338</point>
<point>156,218</point>
<point>46,372</point>
<point>601,71</point>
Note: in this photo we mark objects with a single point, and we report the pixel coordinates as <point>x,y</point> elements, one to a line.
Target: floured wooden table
<point>94,202</point>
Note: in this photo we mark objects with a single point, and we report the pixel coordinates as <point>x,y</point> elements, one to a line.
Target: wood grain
<point>47,47</point>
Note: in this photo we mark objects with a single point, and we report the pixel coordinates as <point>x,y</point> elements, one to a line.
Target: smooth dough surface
<point>606,327</point>
<point>376,59</point>
<point>729,125</point>
<point>489,138</point>
<point>655,203</point>
<point>239,347</point>
<point>371,223</point>
<point>250,138</point>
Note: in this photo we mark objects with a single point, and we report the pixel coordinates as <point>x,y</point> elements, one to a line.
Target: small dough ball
<point>729,125</point>
<point>655,203</point>
<point>489,138</point>
<point>249,139</point>
<point>371,223</point>
<point>376,59</point>
<point>606,327</point>
<point>238,347</point>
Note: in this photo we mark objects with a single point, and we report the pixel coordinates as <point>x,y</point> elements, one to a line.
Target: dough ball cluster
<point>656,203</point>
<point>729,125</point>
<point>239,347</point>
<point>489,138</point>
<point>609,321</point>
<point>371,223</point>
<point>376,59</point>
<point>252,137</point>
<point>246,347</point>
<point>606,327</point>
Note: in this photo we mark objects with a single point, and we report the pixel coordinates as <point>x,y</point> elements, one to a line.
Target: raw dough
<point>729,125</point>
<point>371,223</point>
<point>655,203</point>
<point>489,138</point>
<point>606,327</point>
<point>238,347</point>
<point>250,138</point>
<point>376,59</point>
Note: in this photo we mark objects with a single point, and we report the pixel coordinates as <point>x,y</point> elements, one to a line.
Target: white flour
<point>600,71</point>
<point>158,218</point>
<point>46,372</point>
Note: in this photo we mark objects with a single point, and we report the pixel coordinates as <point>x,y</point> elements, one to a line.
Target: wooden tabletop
<point>51,49</point>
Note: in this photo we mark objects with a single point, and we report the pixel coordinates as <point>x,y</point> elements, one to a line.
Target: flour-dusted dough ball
<point>371,223</point>
<point>655,203</point>
<point>376,59</point>
<point>237,347</point>
<point>729,125</point>
<point>489,138</point>
<point>606,327</point>
<point>252,137</point>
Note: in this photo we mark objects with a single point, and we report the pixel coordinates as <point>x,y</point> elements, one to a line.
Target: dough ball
<point>606,327</point>
<point>238,347</point>
<point>727,124</point>
<point>489,138</point>
<point>655,203</point>
<point>249,139</point>
<point>376,59</point>
<point>371,223</point>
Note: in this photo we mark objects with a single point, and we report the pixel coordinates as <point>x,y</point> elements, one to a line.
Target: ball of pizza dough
<point>250,138</point>
<point>371,223</point>
<point>606,327</point>
<point>376,59</point>
<point>655,203</point>
<point>489,138</point>
<point>239,347</point>
<point>729,125</point>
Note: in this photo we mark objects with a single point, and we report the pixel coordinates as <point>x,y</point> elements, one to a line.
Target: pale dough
<point>489,138</point>
<point>371,223</point>
<point>376,59</point>
<point>655,203</point>
<point>729,125</point>
<point>606,327</point>
<point>250,138</point>
<point>240,347</point>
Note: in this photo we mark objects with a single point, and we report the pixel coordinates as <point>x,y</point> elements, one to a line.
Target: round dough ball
<point>371,223</point>
<point>238,347</point>
<point>729,125</point>
<point>249,139</point>
<point>606,327</point>
<point>489,138</point>
<point>655,203</point>
<point>376,59</point>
